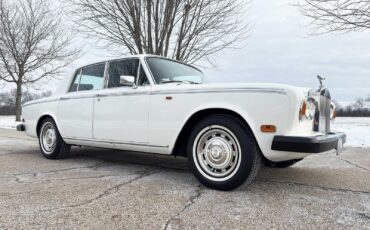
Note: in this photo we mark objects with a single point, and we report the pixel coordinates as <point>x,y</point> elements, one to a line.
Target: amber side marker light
<point>268,128</point>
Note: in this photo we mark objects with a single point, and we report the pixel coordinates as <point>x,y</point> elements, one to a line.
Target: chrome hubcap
<point>48,138</point>
<point>217,152</point>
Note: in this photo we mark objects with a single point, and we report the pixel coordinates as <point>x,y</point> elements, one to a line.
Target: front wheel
<point>51,143</point>
<point>222,152</point>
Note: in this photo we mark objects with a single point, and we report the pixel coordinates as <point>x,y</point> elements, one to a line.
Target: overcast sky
<point>280,51</point>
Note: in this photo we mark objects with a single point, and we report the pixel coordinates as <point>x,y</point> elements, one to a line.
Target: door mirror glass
<point>126,80</point>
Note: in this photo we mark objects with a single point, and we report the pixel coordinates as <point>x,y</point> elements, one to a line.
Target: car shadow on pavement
<point>130,157</point>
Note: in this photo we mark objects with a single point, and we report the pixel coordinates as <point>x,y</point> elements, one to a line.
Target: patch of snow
<point>8,122</point>
<point>356,128</point>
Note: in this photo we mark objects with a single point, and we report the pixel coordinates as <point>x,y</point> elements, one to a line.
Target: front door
<point>121,112</point>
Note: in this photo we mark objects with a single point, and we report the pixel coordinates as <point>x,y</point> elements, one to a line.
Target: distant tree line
<point>360,108</point>
<point>8,100</point>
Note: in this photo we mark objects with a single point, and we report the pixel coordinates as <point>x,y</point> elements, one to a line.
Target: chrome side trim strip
<point>232,90</point>
<point>162,92</point>
<point>78,97</point>
<point>123,94</point>
<point>116,142</point>
<point>39,102</point>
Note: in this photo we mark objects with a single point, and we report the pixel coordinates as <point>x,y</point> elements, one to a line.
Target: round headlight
<point>308,109</point>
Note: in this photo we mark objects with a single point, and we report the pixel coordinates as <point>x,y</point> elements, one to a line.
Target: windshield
<point>166,71</point>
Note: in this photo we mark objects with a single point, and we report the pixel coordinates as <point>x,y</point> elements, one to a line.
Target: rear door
<point>75,111</point>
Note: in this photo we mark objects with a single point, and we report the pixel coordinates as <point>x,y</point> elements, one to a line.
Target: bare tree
<point>337,15</point>
<point>33,45</point>
<point>8,99</point>
<point>186,30</point>
<point>359,104</point>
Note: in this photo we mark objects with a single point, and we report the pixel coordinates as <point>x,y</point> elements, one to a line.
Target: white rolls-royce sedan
<point>152,104</point>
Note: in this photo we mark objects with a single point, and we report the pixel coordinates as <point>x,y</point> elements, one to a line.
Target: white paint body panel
<point>121,115</point>
<point>143,119</point>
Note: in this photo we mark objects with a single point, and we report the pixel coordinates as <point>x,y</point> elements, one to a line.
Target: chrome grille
<point>322,115</point>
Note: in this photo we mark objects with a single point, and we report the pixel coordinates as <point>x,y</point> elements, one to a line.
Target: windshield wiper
<point>178,81</point>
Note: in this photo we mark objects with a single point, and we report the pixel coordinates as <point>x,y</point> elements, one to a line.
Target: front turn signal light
<point>302,111</point>
<point>334,115</point>
<point>268,128</point>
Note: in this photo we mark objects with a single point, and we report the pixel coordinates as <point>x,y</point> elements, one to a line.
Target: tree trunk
<point>18,102</point>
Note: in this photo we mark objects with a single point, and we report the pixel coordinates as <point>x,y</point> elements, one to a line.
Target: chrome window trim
<point>105,86</point>
<point>136,85</point>
<point>73,80</point>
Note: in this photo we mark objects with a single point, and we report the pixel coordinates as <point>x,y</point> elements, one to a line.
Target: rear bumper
<point>21,127</point>
<point>315,144</point>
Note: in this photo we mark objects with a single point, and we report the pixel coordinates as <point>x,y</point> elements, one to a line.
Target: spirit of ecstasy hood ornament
<point>320,80</point>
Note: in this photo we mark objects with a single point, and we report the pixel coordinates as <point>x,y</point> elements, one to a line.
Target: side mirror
<point>127,80</point>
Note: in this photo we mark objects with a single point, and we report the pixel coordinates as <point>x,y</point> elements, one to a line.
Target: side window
<point>92,77</point>
<point>143,80</point>
<point>127,67</point>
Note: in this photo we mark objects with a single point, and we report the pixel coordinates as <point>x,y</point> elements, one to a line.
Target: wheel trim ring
<point>196,160</point>
<point>46,129</point>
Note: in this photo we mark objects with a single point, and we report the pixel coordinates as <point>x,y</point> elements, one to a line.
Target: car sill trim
<point>115,142</point>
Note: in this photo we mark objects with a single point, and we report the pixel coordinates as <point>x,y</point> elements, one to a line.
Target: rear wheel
<point>51,143</point>
<point>222,152</point>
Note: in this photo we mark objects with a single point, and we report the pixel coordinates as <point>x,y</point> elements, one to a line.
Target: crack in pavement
<point>17,138</point>
<point>16,152</point>
<point>95,166</point>
<point>314,186</point>
<point>17,178</point>
<point>70,178</point>
<point>106,192</point>
<point>354,164</point>
<point>192,199</point>
<point>347,161</point>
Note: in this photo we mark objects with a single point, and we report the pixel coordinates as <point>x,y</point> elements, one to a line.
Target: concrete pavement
<point>104,189</point>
